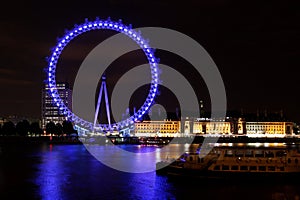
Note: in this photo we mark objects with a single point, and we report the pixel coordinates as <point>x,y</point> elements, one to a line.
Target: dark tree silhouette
<point>68,127</point>
<point>35,129</point>
<point>0,129</point>
<point>50,128</point>
<point>295,130</point>
<point>9,128</point>
<point>59,129</point>
<point>22,128</point>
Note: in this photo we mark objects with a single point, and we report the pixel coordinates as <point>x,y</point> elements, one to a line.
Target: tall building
<point>51,112</point>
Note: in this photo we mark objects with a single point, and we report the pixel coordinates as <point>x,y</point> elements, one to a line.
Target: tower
<point>187,126</point>
<point>241,126</point>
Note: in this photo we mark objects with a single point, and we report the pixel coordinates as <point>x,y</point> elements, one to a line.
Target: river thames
<point>57,171</point>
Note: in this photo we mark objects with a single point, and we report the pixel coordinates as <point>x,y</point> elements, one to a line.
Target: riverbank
<point>40,139</point>
<point>141,140</point>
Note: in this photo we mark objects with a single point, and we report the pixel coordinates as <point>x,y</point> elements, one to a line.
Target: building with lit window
<point>164,128</point>
<point>212,127</point>
<point>207,126</point>
<point>269,128</point>
<point>219,126</point>
<point>2,121</point>
<point>50,111</point>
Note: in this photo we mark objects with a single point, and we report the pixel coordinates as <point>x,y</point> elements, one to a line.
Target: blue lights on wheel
<point>106,25</point>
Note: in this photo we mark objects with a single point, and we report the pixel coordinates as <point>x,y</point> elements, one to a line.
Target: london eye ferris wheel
<point>102,25</point>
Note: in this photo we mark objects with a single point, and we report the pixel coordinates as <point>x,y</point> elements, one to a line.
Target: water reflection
<point>70,172</point>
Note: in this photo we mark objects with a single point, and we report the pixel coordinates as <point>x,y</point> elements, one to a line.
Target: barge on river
<point>234,162</point>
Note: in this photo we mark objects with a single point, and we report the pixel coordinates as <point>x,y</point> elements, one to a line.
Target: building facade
<point>219,126</point>
<point>50,111</point>
<point>280,128</point>
<point>164,128</point>
<point>202,127</point>
<point>2,121</point>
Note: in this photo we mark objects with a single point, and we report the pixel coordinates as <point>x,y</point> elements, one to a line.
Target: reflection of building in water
<point>269,127</point>
<point>157,128</point>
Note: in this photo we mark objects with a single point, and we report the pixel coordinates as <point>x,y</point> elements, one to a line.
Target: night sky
<point>255,45</point>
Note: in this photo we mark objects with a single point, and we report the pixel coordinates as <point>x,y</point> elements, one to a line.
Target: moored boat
<point>234,162</point>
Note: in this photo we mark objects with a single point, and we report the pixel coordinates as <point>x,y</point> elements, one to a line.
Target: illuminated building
<point>164,128</point>
<point>50,111</point>
<point>188,124</point>
<point>219,126</point>
<point>202,126</point>
<point>280,128</point>
<point>212,127</point>
<point>240,126</point>
<point>2,121</point>
<point>229,125</point>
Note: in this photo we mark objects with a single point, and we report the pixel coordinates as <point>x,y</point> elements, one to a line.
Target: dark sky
<point>255,45</point>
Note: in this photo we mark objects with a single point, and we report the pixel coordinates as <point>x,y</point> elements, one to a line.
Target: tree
<point>35,128</point>
<point>59,129</point>
<point>22,128</point>
<point>50,128</point>
<point>296,129</point>
<point>0,129</point>
<point>9,128</point>
<point>68,127</point>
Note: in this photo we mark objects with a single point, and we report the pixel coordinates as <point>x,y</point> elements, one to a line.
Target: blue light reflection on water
<point>70,172</point>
